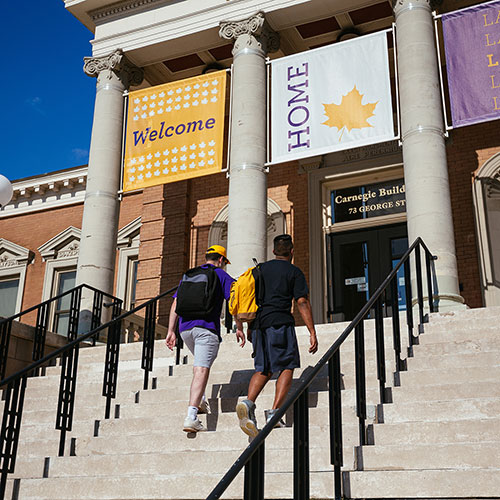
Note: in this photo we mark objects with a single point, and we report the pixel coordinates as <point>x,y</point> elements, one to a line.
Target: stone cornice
<point>61,188</point>
<point>116,62</point>
<point>120,8</point>
<point>255,26</point>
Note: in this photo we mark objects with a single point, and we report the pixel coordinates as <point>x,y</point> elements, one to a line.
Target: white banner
<point>332,98</point>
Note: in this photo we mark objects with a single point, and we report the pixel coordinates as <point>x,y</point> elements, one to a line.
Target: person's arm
<point>226,282</point>
<point>240,336</point>
<point>305,311</point>
<point>171,339</point>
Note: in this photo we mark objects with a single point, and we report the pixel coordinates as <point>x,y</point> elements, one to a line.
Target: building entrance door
<point>358,262</point>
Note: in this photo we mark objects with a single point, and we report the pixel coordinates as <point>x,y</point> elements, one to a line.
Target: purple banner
<point>472,46</point>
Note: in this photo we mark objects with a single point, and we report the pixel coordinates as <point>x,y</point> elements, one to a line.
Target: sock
<point>192,412</point>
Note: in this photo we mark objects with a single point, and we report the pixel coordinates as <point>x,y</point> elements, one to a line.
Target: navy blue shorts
<point>275,349</point>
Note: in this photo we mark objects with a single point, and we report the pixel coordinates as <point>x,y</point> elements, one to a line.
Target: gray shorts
<point>203,343</point>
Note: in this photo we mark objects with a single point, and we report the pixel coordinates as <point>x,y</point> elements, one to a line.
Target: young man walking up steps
<point>202,337</point>
<point>273,332</point>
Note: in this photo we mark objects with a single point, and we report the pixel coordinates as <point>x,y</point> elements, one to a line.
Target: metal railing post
<point>359,352</point>
<point>396,330</point>
<point>67,392</point>
<point>74,313</point>
<point>254,475</point>
<point>148,343</point>
<point>301,447</point>
<point>42,321</point>
<point>335,406</point>
<point>420,291</point>
<point>380,347</point>
<point>428,264</point>
<point>112,357</point>
<point>412,339</point>
<point>11,425</point>
<point>96,314</point>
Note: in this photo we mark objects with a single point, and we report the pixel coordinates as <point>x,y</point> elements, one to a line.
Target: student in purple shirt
<point>202,337</point>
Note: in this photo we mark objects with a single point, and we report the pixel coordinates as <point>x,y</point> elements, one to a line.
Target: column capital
<point>401,5</point>
<point>117,63</point>
<point>255,27</point>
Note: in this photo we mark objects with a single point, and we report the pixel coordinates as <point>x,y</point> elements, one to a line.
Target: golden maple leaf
<point>350,113</point>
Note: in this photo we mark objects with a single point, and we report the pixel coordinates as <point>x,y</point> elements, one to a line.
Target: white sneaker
<point>193,425</point>
<point>270,414</point>
<point>246,414</point>
<point>204,408</point>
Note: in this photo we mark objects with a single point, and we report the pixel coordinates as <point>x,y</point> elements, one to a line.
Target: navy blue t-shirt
<point>283,282</point>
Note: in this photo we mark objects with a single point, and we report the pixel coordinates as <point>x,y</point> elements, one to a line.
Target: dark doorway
<point>357,263</point>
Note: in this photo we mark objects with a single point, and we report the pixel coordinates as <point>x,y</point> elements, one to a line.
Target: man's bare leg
<point>198,385</point>
<point>283,385</point>
<point>257,383</point>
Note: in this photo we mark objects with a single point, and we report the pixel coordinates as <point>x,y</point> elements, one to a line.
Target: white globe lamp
<point>6,191</point>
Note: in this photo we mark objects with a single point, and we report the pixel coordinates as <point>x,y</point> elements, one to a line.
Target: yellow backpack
<point>246,294</point>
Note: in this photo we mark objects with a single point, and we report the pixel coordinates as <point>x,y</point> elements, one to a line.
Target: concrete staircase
<point>439,438</point>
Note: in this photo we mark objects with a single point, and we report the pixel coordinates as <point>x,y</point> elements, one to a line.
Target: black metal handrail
<point>44,310</point>
<point>16,383</point>
<point>253,456</point>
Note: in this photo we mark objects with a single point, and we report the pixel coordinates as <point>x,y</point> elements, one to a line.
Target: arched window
<point>486,192</point>
<point>276,224</point>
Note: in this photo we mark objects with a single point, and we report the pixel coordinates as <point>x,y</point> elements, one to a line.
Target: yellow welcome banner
<point>174,131</point>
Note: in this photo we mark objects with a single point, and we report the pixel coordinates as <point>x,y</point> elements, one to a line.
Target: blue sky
<point>49,101</point>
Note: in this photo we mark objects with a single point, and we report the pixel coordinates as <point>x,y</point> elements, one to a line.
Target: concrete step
<point>449,375</point>
<point>176,441</point>
<point>218,462</point>
<point>189,485</point>
<point>453,347</point>
<point>430,456</point>
<point>464,360</point>
<point>445,484</point>
<point>408,434</point>
<point>436,335</point>
<point>445,392</point>
<point>465,409</point>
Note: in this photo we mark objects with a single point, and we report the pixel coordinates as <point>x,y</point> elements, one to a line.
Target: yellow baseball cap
<point>218,249</point>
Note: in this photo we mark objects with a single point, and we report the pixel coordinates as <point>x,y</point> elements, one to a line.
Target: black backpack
<point>197,293</point>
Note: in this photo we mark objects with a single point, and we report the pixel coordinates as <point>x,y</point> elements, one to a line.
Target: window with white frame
<point>61,255</point>
<point>64,280</point>
<point>128,261</point>
<point>14,260</point>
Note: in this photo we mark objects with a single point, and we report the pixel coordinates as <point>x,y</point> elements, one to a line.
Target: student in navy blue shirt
<point>273,331</point>
<point>202,338</point>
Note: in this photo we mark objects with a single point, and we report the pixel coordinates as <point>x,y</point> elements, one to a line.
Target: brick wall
<point>31,230</point>
<point>467,150</point>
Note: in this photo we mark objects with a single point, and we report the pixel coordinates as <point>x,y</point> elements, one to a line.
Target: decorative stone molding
<point>309,164</point>
<point>255,27</point>
<point>127,243</point>
<point>66,187</point>
<point>120,8</point>
<point>65,245</point>
<point>116,63</point>
<point>14,260</point>
<point>129,235</point>
<point>13,255</point>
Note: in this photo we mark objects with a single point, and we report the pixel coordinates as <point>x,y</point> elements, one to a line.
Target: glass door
<point>358,262</point>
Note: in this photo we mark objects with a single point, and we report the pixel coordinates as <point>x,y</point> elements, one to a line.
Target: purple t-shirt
<point>211,323</point>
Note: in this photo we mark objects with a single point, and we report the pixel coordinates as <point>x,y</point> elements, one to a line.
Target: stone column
<point>96,260</point>
<point>424,153</point>
<point>247,217</point>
